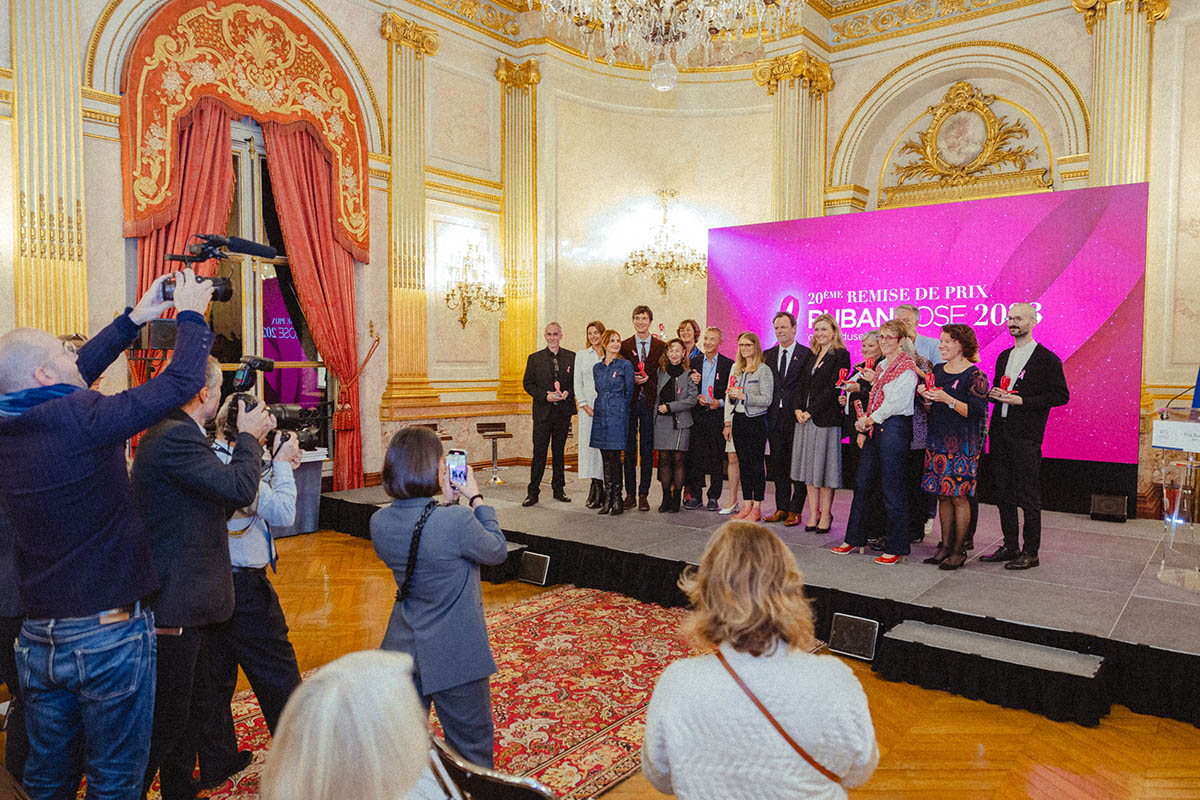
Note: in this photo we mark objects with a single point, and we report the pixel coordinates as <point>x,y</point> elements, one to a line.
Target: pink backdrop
<point>1080,256</point>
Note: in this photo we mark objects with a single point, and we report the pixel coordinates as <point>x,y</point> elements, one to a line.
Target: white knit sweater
<point>706,739</point>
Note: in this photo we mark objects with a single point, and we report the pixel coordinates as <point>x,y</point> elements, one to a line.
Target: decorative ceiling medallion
<point>965,139</point>
<point>257,59</point>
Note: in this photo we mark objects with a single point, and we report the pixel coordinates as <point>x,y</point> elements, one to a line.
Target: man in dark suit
<point>788,360</point>
<point>1019,414</point>
<point>550,381</point>
<point>644,351</point>
<point>706,456</point>
<point>185,496</point>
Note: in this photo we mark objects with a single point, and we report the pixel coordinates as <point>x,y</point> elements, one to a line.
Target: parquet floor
<point>337,597</point>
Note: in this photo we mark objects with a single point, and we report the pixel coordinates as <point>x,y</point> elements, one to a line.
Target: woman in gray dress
<point>673,421</point>
<point>817,445</point>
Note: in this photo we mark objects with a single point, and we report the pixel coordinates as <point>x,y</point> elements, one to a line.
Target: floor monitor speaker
<point>853,636</point>
<point>1110,507</point>
<point>534,567</point>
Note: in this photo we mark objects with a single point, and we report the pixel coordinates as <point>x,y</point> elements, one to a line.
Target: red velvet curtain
<point>302,180</point>
<point>205,147</point>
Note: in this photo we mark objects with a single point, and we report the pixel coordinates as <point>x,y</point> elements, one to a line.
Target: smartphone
<point>456,460</point>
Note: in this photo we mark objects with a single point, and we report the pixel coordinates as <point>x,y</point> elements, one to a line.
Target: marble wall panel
<point>1185,317</point>
<point>463,111</point>
<point>371,305</point>
<point>611,160</point>
<point>8,311</point>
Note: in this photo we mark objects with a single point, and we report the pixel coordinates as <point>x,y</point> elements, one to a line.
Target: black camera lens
<point>222,289</point>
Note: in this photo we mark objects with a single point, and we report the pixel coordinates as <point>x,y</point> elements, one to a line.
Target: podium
<point>1178,440</point>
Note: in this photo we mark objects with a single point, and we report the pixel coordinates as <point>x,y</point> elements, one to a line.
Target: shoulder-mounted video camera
<point>212,246</point>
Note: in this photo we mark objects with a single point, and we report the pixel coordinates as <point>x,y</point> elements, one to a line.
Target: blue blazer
<point>440,624</point>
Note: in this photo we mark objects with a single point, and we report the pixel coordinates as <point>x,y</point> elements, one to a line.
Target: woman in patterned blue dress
<point>957,409</point>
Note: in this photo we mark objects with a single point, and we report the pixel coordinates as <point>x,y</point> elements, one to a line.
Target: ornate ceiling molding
<point>802,65</point>
<point>903,15</point>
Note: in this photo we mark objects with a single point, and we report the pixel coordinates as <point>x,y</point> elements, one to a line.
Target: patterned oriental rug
<point>576,670</point>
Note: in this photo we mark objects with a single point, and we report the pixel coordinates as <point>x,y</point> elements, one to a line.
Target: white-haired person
<point>355,729</point>
<point>706,736</point>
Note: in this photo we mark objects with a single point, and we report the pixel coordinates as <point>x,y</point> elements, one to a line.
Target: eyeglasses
<point>889,338</point>
<point>69,347</point>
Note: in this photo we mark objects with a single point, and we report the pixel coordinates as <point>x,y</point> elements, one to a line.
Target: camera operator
<point>256,638</point>
<point>82,553</point>
<point>185,496</point>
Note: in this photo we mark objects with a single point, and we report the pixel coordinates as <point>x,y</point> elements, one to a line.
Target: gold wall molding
<point>964,102</point>
<point>102,117</point>
<point>101,97</point>
<point>407,33</point>
<point>462,176</point>
<point>1030,181</point>
<point>522,76</point>
<point>855,119</point>
<point>803,66</point>
<point>461,192</point>
<point>106,15</point>
<point>50,252</point>
<point>383,174</point>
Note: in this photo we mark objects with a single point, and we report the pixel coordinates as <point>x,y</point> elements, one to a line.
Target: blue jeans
<point>89,703</point>
<point>882,464</point>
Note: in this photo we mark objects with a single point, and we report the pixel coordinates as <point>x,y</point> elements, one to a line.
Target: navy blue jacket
<point>81,547</point>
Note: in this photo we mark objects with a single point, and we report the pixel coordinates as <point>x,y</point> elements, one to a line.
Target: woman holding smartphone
<point>434,548</point>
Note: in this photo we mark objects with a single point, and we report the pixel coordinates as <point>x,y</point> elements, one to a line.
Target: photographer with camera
<point>185,495</point>
<point>256,637</point>
<point>85,651</point>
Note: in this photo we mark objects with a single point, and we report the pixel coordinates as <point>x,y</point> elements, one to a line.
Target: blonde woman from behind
<point>355,729</point>
<point>705,738</point>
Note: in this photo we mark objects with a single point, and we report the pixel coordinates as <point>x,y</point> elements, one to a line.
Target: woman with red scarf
<point>888,424</point>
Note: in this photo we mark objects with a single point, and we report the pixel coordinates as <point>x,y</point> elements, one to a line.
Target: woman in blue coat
<point>613,378</point>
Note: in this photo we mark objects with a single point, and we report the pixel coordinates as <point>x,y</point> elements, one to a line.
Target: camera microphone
<point>236,244</point>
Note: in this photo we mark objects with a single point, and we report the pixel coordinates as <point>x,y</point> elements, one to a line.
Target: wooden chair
<point>495,431</point>
<point>462,780</point>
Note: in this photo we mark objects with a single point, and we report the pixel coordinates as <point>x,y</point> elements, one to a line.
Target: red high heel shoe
<point>890,559</point>
<point>843,548</point>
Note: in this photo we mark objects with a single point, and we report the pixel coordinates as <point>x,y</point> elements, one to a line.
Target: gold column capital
<point>406,33</point>
<point>803,65</point>
<point>1097,10</point>
<point>518,76</point>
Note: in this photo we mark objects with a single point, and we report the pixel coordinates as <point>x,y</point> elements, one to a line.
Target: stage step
<point>1060,684</point>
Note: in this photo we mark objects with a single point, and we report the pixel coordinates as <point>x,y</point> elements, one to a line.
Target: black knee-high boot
<point>615,504</point>
<point>595,494</point>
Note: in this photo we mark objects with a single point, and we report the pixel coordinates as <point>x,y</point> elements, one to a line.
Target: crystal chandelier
<point>666,259</point>
<point>468,286</point>
<point>668,32</point>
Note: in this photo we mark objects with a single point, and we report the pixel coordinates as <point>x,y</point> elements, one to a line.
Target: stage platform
<point>1096,591</point>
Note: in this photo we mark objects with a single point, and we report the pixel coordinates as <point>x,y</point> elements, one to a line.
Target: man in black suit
<point>706,455</point>
<point>550,381</point>
<point>645,350</point>
<point>1019,414</point>
<point>788,360</point>
<point>185,496</point>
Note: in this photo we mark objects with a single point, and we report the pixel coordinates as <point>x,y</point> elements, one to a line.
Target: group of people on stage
<point>914,410</point>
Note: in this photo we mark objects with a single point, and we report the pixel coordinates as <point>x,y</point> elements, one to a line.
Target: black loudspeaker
<point>1110,507</point>
<point>853,636</point>
<point>534,567</point>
